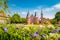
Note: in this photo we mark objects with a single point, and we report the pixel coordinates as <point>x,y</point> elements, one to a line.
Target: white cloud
<point>57,6</point>
<point>52,8</point>
<point>24,13</point>
<point>35,10</point>
<point>48,9</point>
<point>48,12</point>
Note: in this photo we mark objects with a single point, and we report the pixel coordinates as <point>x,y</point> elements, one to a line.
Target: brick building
<point>30,19</point>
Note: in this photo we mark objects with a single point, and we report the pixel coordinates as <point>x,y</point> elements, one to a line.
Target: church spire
<point>41,17</point>
<point>35,14</point>
<point>27,15</point>
<point>41,14</point>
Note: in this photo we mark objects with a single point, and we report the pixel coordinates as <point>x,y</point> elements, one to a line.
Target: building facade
<point>30,19</point>
<point>3,18</point>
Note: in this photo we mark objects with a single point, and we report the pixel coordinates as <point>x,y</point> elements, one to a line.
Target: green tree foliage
<point>54,21</point>
<point>4,5</point>
<point>22,20</point>
<point>0,3</point>
<point>2,12</point>
<point>15,18</point>
<point>57,16</point>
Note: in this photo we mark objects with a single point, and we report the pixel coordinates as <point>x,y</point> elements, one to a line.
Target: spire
<point>32,15</point>
<point>27,14</point>
<point>41,13</point>
<point>35,14</point>
<point>41,17</point>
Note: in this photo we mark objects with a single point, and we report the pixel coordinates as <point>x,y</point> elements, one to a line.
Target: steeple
<point>27,15</point>
<point>41,17</point>
<point>41,14</point>
<point>35,14</point>
<point>32,15</point>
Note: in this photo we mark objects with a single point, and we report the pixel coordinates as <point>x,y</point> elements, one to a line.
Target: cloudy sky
<point>49,7</point>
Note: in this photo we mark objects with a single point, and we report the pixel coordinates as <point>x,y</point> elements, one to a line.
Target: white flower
<point>41,26</point>
<point>53,34</point>
<point>51,26</point>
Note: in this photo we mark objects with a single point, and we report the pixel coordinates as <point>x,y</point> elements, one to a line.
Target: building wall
<point>3,19</point>
<point>32,20</point>
<point>46,21</point>
<point>35,20</point>
<point>28,20</point>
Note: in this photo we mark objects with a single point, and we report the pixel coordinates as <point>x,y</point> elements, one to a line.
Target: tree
<point>22,20</point>
<point>57,16</point>
<point>54,21</point>
<point>4,6</point>
<point>5,3</point>
<point>15,18</point>
<point>0,3</point>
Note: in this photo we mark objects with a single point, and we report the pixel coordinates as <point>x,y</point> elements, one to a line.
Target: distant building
<point>30,19</point>
<point>3,18</point>
<point>46,21</point>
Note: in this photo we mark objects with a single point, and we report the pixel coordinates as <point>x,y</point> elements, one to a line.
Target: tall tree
<point>4,5</point>
<point>22,20</point>
<point>15,18</point>
<point>57,16</point>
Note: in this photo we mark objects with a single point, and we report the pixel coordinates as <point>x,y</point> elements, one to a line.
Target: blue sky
<point>49,7</point>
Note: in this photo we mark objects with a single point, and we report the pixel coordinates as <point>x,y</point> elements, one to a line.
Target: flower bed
<point>23,32</point>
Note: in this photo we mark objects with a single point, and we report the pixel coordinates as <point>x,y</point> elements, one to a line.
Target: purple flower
<point>17,28</point>
<point>36,34</point>
<point>58,38</point>
<point>43,35</point>
<point>56,30</point>
<point>31,36</point>
<point>5,29</point>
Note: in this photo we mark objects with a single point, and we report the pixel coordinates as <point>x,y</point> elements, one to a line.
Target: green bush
<point>18,32</point>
